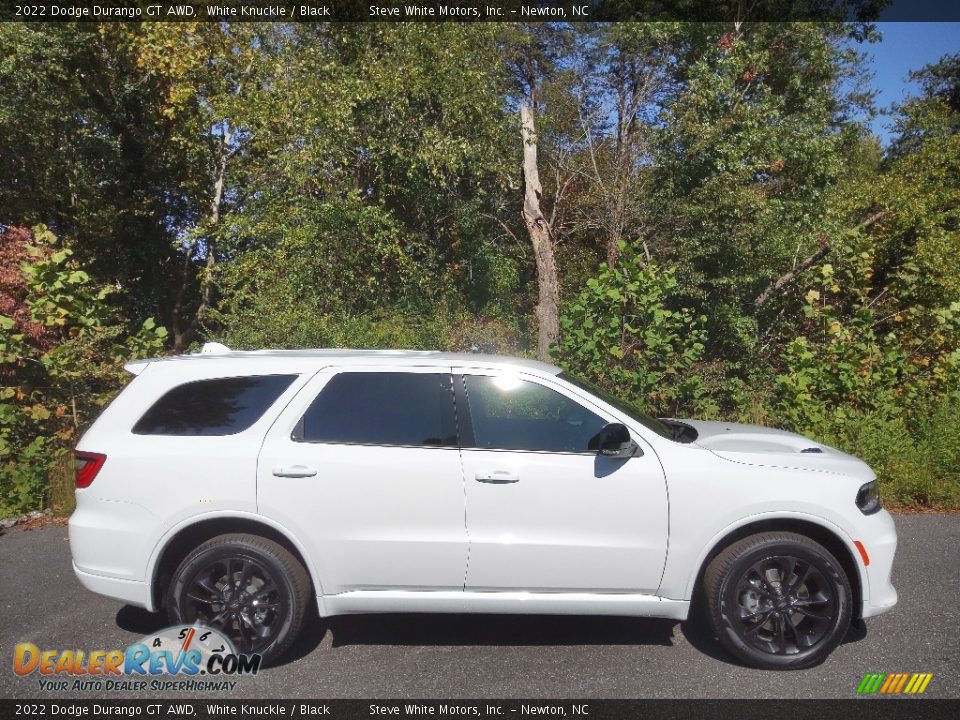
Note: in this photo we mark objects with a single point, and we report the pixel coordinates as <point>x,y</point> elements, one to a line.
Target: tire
<point>778,601</point>
<point>263,606</point>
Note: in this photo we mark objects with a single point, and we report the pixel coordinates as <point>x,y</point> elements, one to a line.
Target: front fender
<point>681,585</point>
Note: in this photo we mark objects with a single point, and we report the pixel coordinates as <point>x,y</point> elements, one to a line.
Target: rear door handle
<point>294,471</point>
<point>497,477</point>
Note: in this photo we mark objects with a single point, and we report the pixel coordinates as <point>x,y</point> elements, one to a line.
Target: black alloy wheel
<point>778,600</point>
<point>785,605</point>
<point>249,588</point>
<point>238,597</point>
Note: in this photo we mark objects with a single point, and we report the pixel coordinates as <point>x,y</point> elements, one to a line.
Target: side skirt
<point>521,603</point>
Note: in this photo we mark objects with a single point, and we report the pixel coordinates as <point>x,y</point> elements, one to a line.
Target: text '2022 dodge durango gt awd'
<point>232,489</point>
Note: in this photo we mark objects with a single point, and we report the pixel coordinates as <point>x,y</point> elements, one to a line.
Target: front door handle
<point>497,477</point>
<point>294,471</point>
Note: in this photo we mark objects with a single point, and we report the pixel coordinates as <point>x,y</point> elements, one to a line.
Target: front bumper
<point>881,546</point>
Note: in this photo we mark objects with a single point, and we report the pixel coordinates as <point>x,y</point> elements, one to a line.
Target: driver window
<point>508,413</point>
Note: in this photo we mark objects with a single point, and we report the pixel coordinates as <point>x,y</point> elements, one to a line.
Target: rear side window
<point>389,408</point>
<point>224,406</point>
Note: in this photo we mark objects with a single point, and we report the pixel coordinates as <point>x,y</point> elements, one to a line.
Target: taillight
<point>87,465</point>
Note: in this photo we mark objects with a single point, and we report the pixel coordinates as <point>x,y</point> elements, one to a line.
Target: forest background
<point>695,215</point>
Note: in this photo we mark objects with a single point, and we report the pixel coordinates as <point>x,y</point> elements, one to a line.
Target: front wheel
<point>778,600</point>
<point>249,588</point>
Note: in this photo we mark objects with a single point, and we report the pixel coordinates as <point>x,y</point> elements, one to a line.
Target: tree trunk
<point>182,336</point>
<point>548,285</point>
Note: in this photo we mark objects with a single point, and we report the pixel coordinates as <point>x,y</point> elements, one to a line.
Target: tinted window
<point>620,404</point>
<point>382,409</point>
<point>512,414</point>
<point>213,407</point>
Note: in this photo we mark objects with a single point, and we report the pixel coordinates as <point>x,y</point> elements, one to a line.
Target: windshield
<point>620,404</point>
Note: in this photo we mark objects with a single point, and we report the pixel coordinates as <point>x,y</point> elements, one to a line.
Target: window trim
<point>296,432</point>
<point>294,377</point>
<point>460,385</point>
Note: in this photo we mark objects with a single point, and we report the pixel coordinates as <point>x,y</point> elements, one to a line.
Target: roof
<point>356,357</point>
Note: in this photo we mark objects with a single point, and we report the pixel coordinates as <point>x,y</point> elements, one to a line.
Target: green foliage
<point>87,148</point>
<point>273,307</point>
<point>382,184</point>
<point>877,374</point>
<point>936,113</point>
<point>277,185</point>
<point>917,461</point>
<point>750,152</point>
<point>622,332</point>
<point>61,362</point>
<point>869,365</point>
<point>846,366</point>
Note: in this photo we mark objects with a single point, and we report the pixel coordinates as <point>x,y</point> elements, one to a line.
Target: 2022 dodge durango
<point>232,489</point>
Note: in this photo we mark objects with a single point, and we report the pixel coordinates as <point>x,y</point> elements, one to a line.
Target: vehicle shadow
<point>447,630</point>
<point>392,629</point>
<point>479,629</point>
<point>140,621</point>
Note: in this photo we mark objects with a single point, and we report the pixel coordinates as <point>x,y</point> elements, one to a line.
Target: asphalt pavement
<point>488,656</point>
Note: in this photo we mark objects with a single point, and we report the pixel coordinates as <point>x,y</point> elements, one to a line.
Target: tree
<point>548,304</point>
<point>368,193</point>
<point>936,112</point>
<point>751,150</point>
<point>625,75</point>
<point>210,72</point>
<point>532,54</point>
<point>86,149</point>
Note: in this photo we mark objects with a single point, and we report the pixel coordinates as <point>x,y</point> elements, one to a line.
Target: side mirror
<point>613,441</point>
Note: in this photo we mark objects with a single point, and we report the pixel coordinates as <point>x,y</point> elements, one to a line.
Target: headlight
<point>868,498</point>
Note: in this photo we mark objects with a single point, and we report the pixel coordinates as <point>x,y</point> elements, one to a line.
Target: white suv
<point>234,488</point>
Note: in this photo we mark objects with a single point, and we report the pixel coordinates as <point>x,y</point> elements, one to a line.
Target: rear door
<point>543,512</point>
<point>364,467</point>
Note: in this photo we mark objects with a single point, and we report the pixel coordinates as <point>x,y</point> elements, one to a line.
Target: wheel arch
<point>818,530</point>
<point>180,540</point>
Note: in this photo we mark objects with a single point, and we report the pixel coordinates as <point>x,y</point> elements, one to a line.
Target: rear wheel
<point>249,588</point>
<point>778,600</point>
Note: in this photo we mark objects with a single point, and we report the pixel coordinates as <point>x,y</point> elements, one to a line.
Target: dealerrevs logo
<point>183,657</point>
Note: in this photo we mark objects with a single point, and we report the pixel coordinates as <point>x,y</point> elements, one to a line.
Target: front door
<point>364,466</point>
<point>544,513</point>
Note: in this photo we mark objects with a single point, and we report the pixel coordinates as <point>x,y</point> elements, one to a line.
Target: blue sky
<point>905,46</point>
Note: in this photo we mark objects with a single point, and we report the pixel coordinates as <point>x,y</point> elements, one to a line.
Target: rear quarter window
<point>222,406</point>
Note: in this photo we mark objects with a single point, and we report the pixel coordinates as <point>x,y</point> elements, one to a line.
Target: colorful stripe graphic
<point>894,683</point>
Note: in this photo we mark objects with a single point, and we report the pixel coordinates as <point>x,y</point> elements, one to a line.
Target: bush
<point>623,332</point>
<point>274,305</point>
<point>62,349</point>
<point>884,386</point>
<point>847,365</point>
<point>917,463</point>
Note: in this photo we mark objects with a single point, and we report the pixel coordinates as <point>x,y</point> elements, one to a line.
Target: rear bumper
<point>131,592</point>
<point>110,538</point>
